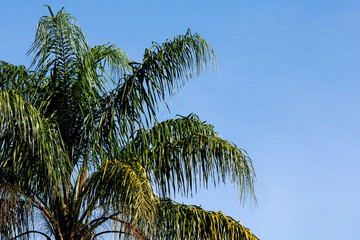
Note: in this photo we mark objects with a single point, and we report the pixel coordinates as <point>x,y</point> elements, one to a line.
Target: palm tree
<point>82,154</point>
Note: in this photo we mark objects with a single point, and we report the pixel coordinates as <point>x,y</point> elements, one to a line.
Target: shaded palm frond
<point>180,153</point>
<point>30,149</point>
<point>112,62</point>
<point>16,78</point>
<point>15,211</point>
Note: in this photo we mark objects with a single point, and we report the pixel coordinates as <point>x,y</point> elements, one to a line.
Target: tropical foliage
<point>83,156</point>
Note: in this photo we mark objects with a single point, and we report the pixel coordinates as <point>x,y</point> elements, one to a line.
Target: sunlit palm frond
<point>180,221</point>
<point>121,187</point>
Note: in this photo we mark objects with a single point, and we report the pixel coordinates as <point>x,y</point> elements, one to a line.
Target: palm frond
<point>162,71</point>
<point>29,145</point>
<point>57,42</point>
<point>180,153</point>
<point>123,187</point>
<point>180,221</point>
<point>15,211</point>
<point>111,61</point>
<point>13,77</point>
<point>165,67</point>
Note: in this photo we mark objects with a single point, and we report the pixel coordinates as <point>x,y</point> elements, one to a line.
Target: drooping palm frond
<point>121,186</point>
<point>16,78</point>
<point>15,211</point>
<point>138,95</point>
<point>112,62</point>
<point>29,145</point>
<point>181,58</point>
<point>166,66</point>
<point>32,162</point>
<point>180,221</point>
<point>180,153</point>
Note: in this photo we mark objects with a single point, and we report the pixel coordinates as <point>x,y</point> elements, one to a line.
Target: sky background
<point>287,92</point>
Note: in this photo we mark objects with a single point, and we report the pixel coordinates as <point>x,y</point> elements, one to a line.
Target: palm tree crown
<point>82,154</point>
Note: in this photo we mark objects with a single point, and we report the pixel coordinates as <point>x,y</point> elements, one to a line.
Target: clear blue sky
<point>287,92</point>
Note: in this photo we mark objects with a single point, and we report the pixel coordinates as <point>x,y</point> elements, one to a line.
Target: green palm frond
<point>111,61</point>
<point>29,145</point>
<point>123,187</point>
<point>180,153</point>
<point>180,221</point>
<point>16,78</point>
<point>166,66</point>
<point>58,41</point>
<point>161,73</point>
<point>183,57</point>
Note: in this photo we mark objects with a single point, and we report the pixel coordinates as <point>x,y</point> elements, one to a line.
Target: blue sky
<point>287,92</point>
